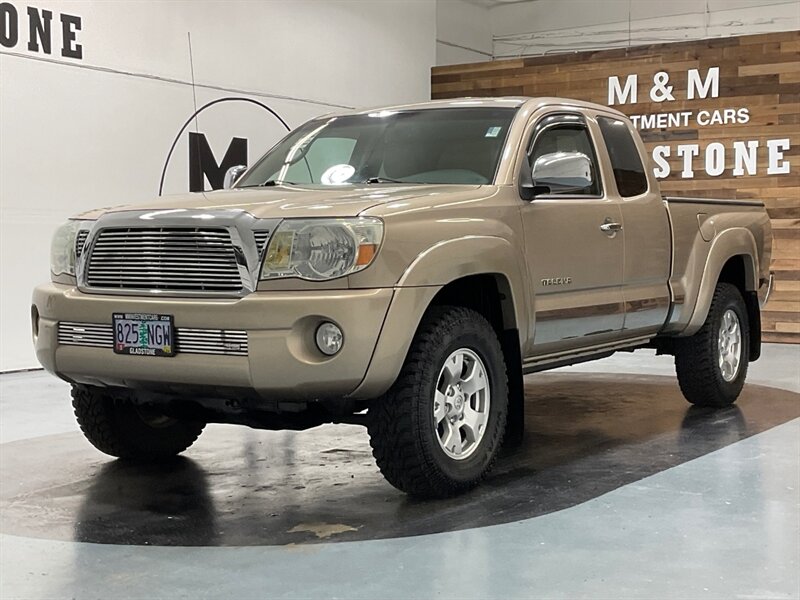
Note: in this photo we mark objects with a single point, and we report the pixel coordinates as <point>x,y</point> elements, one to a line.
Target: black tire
<point>697,357</point>
<point>401,426</point>
<point>116,426</point>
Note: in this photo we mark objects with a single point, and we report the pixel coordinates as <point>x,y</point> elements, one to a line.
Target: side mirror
<point>232,175</point>
<point>557,172</point>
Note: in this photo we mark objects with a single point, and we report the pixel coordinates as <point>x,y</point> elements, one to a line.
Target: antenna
<point>194,89</point>
<point>196,126</point>
<point>188,122</point>
<point>630,9</point>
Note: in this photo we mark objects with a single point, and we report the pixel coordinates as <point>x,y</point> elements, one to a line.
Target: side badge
<point>547,281</point>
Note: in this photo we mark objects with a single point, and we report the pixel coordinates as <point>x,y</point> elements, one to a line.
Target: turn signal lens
<point>366,252</point>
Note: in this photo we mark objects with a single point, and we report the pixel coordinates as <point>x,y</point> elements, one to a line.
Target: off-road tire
<point>696,357</point>
<point>116,426</point>
<point>401,428</point>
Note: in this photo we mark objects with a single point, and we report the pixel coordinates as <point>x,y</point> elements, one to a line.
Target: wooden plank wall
<point>758,72</point>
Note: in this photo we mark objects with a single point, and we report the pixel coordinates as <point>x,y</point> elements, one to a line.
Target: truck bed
<point>704,230</point>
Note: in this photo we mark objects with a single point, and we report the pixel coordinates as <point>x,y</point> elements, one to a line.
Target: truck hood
<point>296,201</point>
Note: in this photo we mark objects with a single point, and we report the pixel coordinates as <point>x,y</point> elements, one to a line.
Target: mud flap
<point>515,423</point>
<point>754,318</point>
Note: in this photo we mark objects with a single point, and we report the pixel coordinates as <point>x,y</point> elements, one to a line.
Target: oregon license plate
<point>143,334</point>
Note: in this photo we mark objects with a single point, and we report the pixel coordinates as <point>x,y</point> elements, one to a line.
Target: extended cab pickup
<point>401,268</point>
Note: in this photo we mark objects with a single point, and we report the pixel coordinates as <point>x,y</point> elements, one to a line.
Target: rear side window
<point>625,160</point>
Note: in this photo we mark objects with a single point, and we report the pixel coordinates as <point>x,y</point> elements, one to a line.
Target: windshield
<point>448,145</point>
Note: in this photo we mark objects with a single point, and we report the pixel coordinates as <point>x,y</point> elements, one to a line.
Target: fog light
<point>329,338</point>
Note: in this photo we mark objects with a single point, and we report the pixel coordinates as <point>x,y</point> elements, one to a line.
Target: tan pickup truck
<point>401,268</point>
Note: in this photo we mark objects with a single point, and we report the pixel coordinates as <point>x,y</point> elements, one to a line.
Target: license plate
<point>143,334</point>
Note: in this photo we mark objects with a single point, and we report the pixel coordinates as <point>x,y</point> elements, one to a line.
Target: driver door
<point>576,268</point>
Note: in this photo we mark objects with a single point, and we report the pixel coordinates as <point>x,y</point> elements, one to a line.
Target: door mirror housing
<point>557,172</point>
<point>232,176</point>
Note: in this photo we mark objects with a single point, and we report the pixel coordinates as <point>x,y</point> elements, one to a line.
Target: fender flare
<point>730,243</point>
<point>428,273</point>
<point>454,259</point>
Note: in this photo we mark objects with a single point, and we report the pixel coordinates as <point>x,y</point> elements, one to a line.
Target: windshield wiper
<point>268,183</point>
<point>382,180</point>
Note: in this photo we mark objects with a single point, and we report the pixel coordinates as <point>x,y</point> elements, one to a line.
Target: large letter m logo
<point>203,164</point>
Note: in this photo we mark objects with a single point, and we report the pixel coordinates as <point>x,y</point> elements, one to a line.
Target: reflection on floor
<point>592,444</point>
<point>587,434</point>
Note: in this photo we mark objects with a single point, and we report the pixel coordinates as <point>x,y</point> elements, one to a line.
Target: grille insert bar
<point>261,240</point>
<point>80,240</point>
<point>228,342</point>
<point>164,258</point>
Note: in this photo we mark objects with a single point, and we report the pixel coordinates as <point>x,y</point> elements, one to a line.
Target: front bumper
<point>282,362</point>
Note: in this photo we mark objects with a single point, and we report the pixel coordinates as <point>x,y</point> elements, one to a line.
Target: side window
<point>568,137</point>
<point>625,160</point>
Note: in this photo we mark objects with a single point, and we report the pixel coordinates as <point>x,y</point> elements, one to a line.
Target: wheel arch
<point>474,260</point>
<point>733,259</point>
<point>491,295</point>
<point>478,272</point>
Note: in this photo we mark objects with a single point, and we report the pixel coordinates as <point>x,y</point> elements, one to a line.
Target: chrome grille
<point>229,342</point>
<point>261,240</point>
<point>80,240</point>
<point>164,258</point>
<point>212,341</point>
<point>85,334</point>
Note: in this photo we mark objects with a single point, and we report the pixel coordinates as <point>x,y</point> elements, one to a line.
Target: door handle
<point>610,228</point>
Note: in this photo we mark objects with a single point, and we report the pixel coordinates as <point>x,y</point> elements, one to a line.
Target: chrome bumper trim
<point>226,342</point>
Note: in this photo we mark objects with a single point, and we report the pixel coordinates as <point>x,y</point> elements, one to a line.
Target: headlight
<point>319,249</point>
<point>62,248</point>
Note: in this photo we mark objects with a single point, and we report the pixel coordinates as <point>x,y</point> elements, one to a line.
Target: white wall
<point>77,134</point>
<point>463,33</point>
<point>548,26</point>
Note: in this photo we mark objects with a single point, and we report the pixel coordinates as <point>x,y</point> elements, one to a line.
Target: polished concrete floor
<point>619,490</point>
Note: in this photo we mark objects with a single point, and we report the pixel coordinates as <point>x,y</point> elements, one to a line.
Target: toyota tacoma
<point>400,268</point>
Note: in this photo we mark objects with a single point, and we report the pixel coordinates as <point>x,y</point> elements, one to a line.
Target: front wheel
<point>118,427</point>
<point>712,364</point>
<point>437,431</point>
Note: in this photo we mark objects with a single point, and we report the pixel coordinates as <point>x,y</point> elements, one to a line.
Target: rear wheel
<point>118,427</point>
<point>436,432</point>
<point>712,364</point>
